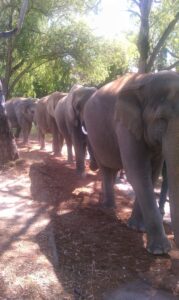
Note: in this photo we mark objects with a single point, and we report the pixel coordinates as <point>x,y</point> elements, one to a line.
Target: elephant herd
<point>131,123</point>
<point>59,114</point>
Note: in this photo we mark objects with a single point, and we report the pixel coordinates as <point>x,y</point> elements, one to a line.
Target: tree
<point>8,149</point>
<point>25,52</point>
<point>158,20</point>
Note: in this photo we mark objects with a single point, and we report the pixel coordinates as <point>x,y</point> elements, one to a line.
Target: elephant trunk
<point>171,155</point>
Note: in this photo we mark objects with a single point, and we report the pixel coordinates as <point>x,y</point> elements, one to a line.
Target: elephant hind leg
<point>41,138</point>
<point>108,180</point>
<point>58,138</point>
<point>58,149</point>
<point>93,163</point>
<point>17,133</point>
<point>26,128</point>
<point>57,145</point>
<point>69,149</point>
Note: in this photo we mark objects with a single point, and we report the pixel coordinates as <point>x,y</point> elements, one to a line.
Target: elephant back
<point>52,101</point>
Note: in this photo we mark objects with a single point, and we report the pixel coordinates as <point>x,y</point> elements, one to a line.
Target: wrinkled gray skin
<point>45,121</point>
<point>131,122</point>
<point>69,117</point>
<point>20,112</point>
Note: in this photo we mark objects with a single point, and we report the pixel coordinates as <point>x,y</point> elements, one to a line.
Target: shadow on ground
<point>94,253</point>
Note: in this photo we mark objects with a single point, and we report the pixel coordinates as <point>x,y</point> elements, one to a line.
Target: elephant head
<point>148,105</point>
<point>79,95</point>
<point>28,107</point>
<point>75,103</point>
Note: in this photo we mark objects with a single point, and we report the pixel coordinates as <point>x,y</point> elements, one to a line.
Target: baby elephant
<point>20,112</point>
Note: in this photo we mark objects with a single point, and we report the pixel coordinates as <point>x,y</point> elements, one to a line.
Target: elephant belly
<point>109,157</point>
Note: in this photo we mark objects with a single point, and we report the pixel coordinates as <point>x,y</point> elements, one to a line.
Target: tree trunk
<point>11,34</point>
<point>8,149</point>
<point>143,39</point>
<point>8,68</point>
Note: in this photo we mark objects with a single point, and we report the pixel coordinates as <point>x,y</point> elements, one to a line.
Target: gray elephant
<point>45,121</point>
<point>133,122</point>
<point>69,119</point>
<point>20,112</point>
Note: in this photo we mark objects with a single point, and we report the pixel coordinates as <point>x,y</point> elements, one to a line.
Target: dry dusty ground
<point>57,243</point>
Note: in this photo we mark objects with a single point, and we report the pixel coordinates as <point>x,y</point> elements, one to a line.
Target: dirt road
<point>57,243</point>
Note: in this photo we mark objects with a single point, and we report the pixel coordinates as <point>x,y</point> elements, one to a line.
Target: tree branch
<point>173,65</point>
<point>134,12</point>
<point>23,11</point>
<point>172,54</point>
<point>161,42</point>
<point>19,76</point>
<point>28,68</point>
<point>136,2</point>
<point>7,34</point>
<point>17,66</point>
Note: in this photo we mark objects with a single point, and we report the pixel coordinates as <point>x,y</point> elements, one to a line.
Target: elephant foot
<point>136,224</point>
<point>57,154</point>
<point>158,245</point>
<point>70,161</point>
<point>81,174</point>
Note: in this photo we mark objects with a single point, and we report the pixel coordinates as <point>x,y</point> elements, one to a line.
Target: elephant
<point>133,123</point>
<point>45,121</point>
<point>69,119</point>
<point>20,113</point>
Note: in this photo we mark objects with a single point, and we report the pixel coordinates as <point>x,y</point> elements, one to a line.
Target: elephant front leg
<point>79,142</point>
<point>108,180</point>
<point>137,163</point>
<point>57,141</point>
<point>136,221</point>
<point>80,153</point>
<point>41,138</point>
<point>26,128</point>
<point>18,130</point>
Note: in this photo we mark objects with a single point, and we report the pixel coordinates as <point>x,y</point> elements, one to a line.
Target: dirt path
<point>25,272</point>
<point>59,244</point>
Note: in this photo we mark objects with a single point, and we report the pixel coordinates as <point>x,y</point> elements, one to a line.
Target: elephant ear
<point>81,96</point>
<point>70,112</point>
<point>129,112</point>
